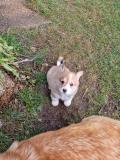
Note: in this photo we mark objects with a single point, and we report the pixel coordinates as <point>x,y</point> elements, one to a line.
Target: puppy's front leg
<point>67,103</point>
<point>55,100</point>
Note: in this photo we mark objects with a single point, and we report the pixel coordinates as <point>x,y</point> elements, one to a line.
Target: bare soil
<point>14,14</point>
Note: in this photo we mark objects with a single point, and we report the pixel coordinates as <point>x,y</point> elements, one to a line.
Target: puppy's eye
<point>71,84</point>
<point>62,81</point>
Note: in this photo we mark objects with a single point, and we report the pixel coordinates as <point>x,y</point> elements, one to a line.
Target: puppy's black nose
<point>64,90</point>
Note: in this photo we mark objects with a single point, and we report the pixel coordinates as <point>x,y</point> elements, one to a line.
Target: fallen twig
<point>85,93</point>
<point>24,61</point>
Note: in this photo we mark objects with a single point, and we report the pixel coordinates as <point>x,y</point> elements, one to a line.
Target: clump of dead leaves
<point>8,86</point>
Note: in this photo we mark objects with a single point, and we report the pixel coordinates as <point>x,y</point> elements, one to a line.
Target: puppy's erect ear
<point>60,63</point>
<point>79,74</point>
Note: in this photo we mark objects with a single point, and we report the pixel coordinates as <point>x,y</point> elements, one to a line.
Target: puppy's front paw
<point>67,103</point>
<point>55,103</point>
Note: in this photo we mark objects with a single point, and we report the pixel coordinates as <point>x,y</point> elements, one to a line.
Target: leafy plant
<point>12,41</point>
<point>7,57</point>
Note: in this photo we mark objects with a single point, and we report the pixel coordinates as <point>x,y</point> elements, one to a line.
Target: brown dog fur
<point>95,138</point>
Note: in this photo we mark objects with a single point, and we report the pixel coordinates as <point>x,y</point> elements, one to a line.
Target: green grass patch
<point>109,79</point>
<point>40,78</point>
<point>32,99</point>
<point>4,141</point>
<point>17,126</point>
<point>39,57</point>
<point>92,30</point>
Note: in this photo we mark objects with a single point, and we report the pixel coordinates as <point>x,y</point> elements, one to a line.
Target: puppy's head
<point>69,83</point>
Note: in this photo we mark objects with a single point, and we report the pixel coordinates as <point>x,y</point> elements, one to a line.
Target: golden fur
<point>95,138</point>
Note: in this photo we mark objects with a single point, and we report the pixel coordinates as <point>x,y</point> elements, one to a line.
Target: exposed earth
<point>14,14</point>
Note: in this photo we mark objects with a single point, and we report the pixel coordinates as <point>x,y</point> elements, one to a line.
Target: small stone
<point>45,64</point>
<point>2,89</point>
<point>33,49</point>
<point>23,77</point>
<point>40,120</point>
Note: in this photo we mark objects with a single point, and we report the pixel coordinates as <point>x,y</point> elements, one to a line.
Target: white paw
<point>55,103</point>
<point>67,103</point>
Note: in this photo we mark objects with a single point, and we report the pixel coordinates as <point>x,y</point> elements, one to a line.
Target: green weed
<point>12,41</point>
<point>32,99</point>
<point>5,141</point>
<point>40,78</point>
<point>7,57</point>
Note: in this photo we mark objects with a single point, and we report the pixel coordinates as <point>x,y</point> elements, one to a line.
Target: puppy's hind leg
<point>55,100</point>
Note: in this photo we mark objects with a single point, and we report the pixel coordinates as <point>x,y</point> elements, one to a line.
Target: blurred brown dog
<point>95,138</point>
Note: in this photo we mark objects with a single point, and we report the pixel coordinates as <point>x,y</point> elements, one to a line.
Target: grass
<point>12,41</point>
<point>17,126</point>
<point>32,99</point>
<point>87,34</point>
<point>20,119</point>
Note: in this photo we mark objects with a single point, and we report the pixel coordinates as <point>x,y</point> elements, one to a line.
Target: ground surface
<point>87,34</point>
<point>14,14</point>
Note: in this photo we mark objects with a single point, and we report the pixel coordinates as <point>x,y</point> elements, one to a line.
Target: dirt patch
<point>14,14</point>
<point>53,118</point>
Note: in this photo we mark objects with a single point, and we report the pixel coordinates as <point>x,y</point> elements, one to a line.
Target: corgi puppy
<point>63,83</point>
<point>95,138</point>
